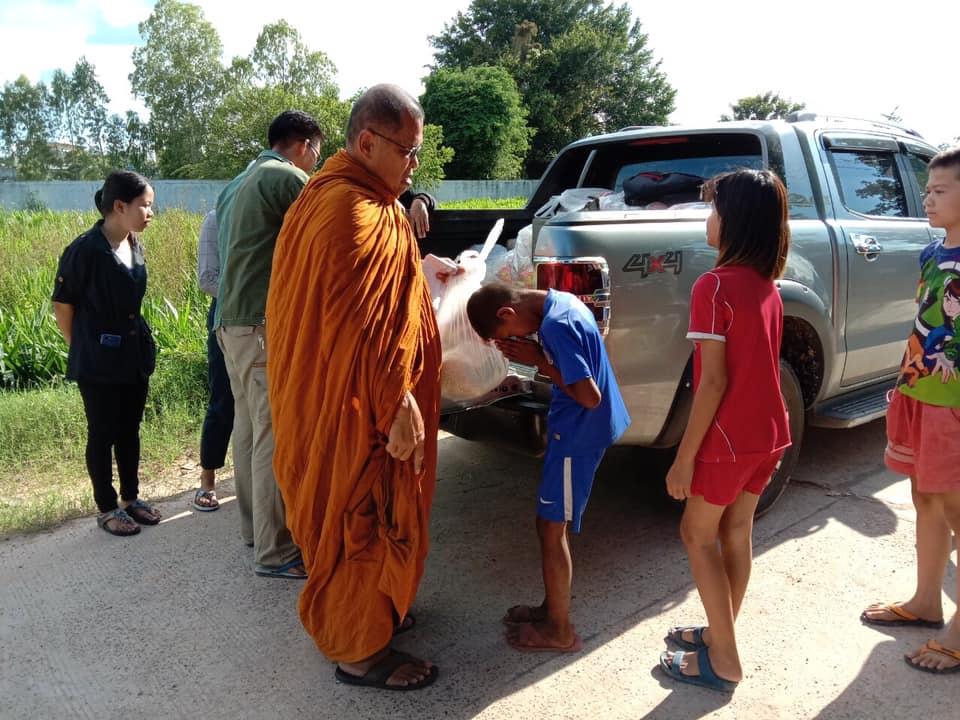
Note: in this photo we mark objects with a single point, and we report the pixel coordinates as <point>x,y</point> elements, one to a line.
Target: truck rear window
<point>701,155</point>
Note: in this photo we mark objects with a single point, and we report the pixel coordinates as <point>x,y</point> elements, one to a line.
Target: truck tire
<point>793,399</point>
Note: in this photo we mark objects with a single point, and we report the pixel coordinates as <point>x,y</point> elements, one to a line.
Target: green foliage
<point>24,128</point>
<point>482,118</point>
<point>766,106</point>
<point>178,74</point>
<point>280,59</point>
<point>434,155</point>
<point>238,128</point>
<point>581,67</point>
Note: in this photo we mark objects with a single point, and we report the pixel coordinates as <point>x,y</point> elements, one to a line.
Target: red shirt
<point>736,306</point>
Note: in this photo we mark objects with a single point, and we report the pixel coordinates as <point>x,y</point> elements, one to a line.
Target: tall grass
<point>32,351</point>
<point>42,425</point>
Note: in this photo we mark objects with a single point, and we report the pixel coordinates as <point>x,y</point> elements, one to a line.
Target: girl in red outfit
<point>738,427</point>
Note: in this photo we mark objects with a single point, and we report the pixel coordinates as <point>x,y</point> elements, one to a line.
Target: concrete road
<point>174,624</point>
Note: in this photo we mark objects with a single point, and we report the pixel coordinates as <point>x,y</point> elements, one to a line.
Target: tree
<point>280,59</point>
<point>127,145</point>
<point>581,66</point>
<point>24,128</point>
<point>768,106</point>
<point>482,118</point>
<point>433,157</point>
<point>281,73</point>
<point>238,128</point>
<point>178,73</point>
<point>77,111</point>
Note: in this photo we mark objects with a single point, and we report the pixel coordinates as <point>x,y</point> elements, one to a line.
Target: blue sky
<point>845,57</point>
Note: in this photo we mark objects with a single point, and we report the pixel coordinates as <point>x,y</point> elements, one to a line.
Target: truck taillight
<point>587,278</point>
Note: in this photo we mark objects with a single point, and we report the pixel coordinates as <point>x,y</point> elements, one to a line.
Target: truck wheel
<point>793,399</point>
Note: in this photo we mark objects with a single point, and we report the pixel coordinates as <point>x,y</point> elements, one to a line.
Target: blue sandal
<point>675,635</point>
<point>707,677</point>
<point>284,571</point>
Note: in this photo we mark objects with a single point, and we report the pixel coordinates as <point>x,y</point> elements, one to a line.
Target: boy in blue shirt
<point>587,415</point>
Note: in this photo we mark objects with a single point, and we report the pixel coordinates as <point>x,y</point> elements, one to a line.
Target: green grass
<point>514,203</point>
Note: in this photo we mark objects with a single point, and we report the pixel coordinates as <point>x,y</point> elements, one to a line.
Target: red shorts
<point>923,441</point>
<point>722,483</point>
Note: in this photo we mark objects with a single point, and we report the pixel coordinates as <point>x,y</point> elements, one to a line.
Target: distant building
<point>8,174</point>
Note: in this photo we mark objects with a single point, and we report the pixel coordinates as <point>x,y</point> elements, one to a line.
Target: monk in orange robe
<point>354,382</point>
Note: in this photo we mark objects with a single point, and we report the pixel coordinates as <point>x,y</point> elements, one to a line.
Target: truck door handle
<point>866,245</point>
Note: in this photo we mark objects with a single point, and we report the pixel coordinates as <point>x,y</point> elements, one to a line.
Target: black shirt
<point>110,341</point>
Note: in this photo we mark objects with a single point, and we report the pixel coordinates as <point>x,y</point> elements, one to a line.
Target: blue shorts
<point>565,488</point>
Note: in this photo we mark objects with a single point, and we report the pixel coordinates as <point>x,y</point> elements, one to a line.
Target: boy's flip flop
<point>903,617</point>
<point>933,646</point>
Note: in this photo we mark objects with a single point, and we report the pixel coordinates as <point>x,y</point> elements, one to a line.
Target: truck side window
<point>869,183</point>
<point>918,166</point>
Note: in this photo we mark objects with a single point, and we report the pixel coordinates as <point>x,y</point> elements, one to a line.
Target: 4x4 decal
<point>648,263</point>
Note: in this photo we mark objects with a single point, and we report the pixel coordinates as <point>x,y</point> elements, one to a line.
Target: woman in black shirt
<point>98,292</point>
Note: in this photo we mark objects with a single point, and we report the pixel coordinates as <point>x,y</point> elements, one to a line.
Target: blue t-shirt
<point>572,343</point>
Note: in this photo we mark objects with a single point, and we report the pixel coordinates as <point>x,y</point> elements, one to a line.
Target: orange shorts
<point>923,441</point>
<point>721,483</point>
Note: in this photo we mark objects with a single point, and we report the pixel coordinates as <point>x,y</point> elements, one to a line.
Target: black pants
<point>218,422</point>
<point>113,413</point>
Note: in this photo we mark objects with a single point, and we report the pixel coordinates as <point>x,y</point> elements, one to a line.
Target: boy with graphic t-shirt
<point>923,424</point>
<point>587,415</point>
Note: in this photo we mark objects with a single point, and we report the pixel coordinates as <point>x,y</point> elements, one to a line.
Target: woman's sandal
<point>143,513</point>
<point>122,520</point>
<point>210,496</point>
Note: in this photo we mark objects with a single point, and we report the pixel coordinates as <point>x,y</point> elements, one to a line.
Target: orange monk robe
<point>350,329</point>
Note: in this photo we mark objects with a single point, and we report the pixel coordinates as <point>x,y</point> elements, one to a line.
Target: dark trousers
<point>113,414</point>
<point>218,423</point>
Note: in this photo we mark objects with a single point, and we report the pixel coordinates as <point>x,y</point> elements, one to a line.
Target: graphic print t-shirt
<point>929,371</point>
<point>736,306</point>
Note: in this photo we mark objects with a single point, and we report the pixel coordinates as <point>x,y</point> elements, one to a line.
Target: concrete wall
<point>201,195</point>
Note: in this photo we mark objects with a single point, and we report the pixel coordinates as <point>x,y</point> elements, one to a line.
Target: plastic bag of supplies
<point>472,367</point>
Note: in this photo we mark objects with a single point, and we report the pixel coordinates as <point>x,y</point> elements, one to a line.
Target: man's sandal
<point>121,521</point>
<point>205,500</point>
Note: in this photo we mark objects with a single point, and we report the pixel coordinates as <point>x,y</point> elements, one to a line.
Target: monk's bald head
<point>384,106</point>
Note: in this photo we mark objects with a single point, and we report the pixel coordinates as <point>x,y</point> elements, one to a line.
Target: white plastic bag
<point>471,366</point>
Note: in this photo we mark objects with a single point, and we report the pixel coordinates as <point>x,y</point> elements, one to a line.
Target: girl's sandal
<point>122,524</point>
<point>143,513</point>
<point>205,500</point>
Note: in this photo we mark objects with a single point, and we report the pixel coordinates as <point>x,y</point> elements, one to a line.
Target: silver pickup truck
<point>857,228</point>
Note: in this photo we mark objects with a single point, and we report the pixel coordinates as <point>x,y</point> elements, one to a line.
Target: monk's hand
<point>407,435</point>
<point>419,218</point>
<point>523,351</point>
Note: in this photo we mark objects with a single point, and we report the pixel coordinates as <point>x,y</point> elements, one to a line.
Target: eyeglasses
<point>408,152</point>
